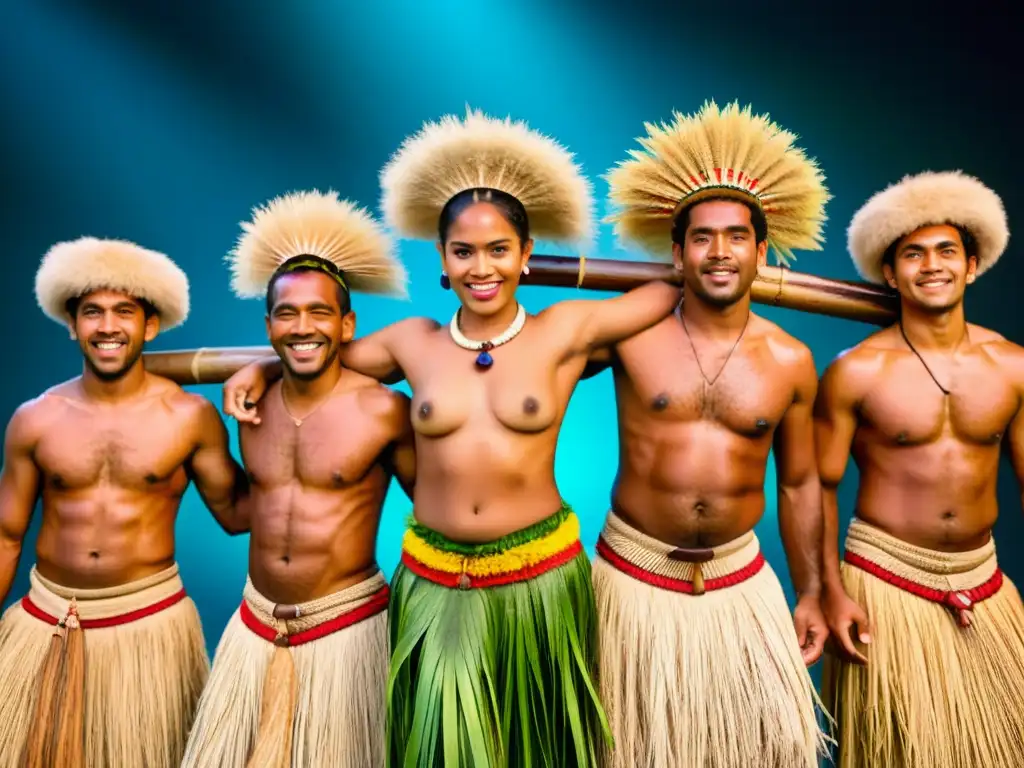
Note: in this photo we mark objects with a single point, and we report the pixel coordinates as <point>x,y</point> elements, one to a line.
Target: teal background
<point>165,123</point>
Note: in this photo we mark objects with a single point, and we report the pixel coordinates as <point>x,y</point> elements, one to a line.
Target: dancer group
<point>498,641</point>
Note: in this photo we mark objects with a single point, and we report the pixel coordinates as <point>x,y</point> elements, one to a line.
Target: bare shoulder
<point>34,417</point>
<point>381,402</point>
<point>177,400</point>
<point>855,370</point>
<point>413,328</point>
<point>1003,352</point>
<point>657,334</point>
<point>787,349</point>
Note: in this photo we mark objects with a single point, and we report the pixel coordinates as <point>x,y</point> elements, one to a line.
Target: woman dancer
<point>492,614</point>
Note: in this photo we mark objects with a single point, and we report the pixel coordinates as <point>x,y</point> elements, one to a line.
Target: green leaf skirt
<point>494,651</point>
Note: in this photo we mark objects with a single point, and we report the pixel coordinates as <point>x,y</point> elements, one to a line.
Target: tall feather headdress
<point>716,152</point>
<point>926,199</point>
<point>323,226</point>
<point>75,268</point>
<point>453,155</point>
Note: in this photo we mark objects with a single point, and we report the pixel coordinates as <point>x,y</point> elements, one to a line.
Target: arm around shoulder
<point>379,354</point>
<point>600,322</point>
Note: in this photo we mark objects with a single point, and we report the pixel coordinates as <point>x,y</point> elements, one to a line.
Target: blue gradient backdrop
<point>164,124</point>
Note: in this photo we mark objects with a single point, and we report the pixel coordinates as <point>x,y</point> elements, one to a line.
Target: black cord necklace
<point>711,382</point>
<point>913,349</point>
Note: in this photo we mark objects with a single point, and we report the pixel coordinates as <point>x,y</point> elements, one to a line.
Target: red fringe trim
<point>679,585</point>
<point>111,621</point>
<point>452,580</point>
<point>376,605</point>
<point>947,598</point>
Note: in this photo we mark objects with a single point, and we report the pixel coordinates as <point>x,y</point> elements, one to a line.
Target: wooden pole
<point>774,286</point>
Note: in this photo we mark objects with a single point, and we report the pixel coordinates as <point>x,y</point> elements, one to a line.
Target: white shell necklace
<point>484,359</point>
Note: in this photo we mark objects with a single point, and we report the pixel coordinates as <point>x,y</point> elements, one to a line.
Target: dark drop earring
<point>445,282</point>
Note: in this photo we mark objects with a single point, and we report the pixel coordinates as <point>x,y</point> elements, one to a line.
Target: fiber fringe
<point>142,681</point>
<point>932,694</point>
<point>708,681</point>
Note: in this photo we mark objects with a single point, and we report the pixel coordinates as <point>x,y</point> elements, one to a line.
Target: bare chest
<point>144,450</point>
<point>525,389</point>
<point>748,395</point>
<point>908,407</point>
<point>332,449</point>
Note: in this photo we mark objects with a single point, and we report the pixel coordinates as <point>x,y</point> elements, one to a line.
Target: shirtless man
<point>300,673</point>
<point>110,454</point>
<point>700,663</point>
<point>924,406</point>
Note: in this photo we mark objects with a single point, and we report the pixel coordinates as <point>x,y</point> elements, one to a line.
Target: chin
<point>108,370</point>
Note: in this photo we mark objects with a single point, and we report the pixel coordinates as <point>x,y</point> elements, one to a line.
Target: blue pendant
<point>484,360</point>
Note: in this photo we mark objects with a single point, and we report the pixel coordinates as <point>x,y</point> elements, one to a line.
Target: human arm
<point>835,423</point>
<point>220,480</point>
<point>1015,442</point>
<point>372,355</point>
<point>595,323</point>
<point>402,460</point>
<point>19,490</point>
<point>599,360</point>
<point>799,494</point>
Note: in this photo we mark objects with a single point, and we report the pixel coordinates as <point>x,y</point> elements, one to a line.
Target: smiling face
<point>483,257</point>
<point>719,253</point>
<point>112,329</point>
<point>307,324</point>
<point>930,268</point>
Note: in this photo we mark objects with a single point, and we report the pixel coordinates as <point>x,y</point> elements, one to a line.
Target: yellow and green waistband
<point>520,556</point>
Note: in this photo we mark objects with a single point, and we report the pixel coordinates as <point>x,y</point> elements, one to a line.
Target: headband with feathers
<point>726,152</point>
<point>322,226</point>
<point>453,155</point>
<point>75,268</point>
<point>926,199</point>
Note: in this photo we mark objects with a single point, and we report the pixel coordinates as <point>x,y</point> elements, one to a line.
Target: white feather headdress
<point>716,152</point>
<point>926,199</point>
<point>75,268</point>
<point>453,155</point>
<point>321,225</point>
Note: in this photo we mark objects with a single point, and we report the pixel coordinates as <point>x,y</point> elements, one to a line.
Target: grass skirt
<point>700,664</point>
<point>306,691</point>
<point>494,651</point>
<point>115,686</point>
<point>942,687</point>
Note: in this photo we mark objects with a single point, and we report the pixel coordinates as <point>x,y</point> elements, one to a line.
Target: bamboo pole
<point>774,286</point>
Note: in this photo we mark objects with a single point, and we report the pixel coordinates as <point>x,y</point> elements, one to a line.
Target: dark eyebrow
<point>918,247</point>
<point>491,244</point>
<point>310,306</point>
<point>738,228</point>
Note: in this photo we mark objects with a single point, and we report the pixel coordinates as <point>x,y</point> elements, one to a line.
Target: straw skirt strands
<point>303,691</point>
<point>100,677</point>
<point>942,686</point>
<point>700,664</point>
<point>494,651</point>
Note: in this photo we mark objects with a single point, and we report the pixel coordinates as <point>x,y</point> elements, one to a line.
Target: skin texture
<point>109,454</point>
<point>485,440</point>
<point>693,456</point>
<point>927,462</point>
<point>318,488</point>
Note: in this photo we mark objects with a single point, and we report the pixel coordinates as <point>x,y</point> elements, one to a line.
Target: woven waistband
<point>107,607</point>
<point>654,562</point>
<point>955,579</point>
<point>314,619</point>
<point>520,556</point>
